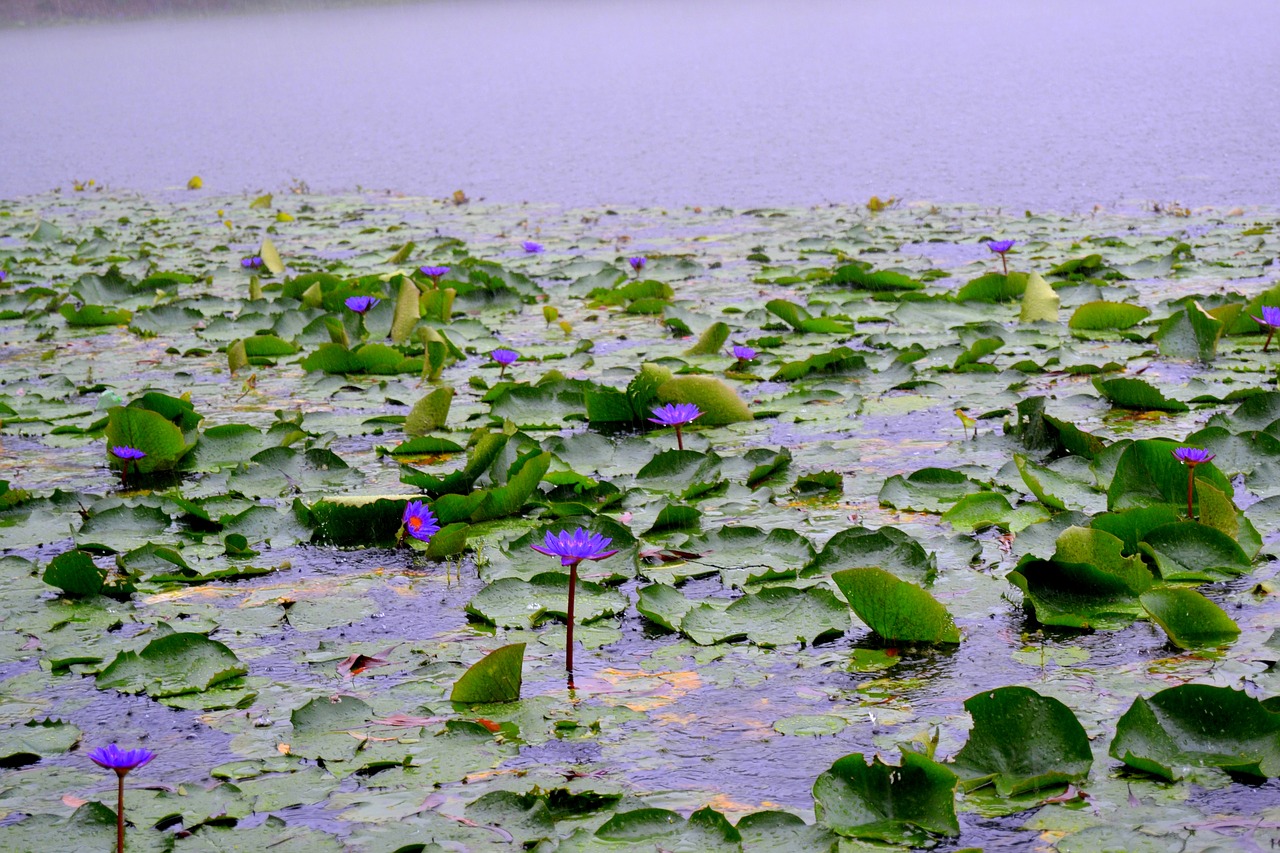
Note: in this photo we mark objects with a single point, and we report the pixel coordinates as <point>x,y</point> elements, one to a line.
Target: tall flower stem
<point>568,646</point>
<point>1270,331</point>
<point>1005,262</point>
<point>679,438</point>
<point>120,813</point>
<point>1191,490</point>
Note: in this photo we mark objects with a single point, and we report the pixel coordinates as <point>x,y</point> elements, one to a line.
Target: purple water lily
<point>252,263</point>
<point>1191,457</point>
<point>361,304</point>
<point>3,275</point>
<point>572,549</point>
<point>676,415</point>
<point>435,273</point>
<point>504,357</point>
<point>744,354</point>
<point>531,247</point>
<point>121,761</point>
<point>127,455</point>
<point>1271,319</point>
<point>419,521</point>
<point>637,263</point>
<point>1000,247</point>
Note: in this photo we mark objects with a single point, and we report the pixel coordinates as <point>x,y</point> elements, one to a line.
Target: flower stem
<point>679,438</point>
<point>568,646</point>
<point>1191,485</point>
<point>1005,262</point>
<point>1270,331</point>
<point>120,814</point>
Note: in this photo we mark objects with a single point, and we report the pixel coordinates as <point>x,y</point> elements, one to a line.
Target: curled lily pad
<point>898,804</point>
<point>1022,741</point>
<point>494,678</point>
<point>1191,620</point>
<point>896,610</point>
<point>1183,728</point>
<point>172,665</point>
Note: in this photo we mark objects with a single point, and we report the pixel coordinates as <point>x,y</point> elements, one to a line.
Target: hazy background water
<point>1051,104</point>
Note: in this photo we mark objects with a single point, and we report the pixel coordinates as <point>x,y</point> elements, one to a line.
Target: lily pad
<point>896,610</point>
<point>1191,620</point>
<point>897,804</point>
<point>1192,726</point>
<point>1022,741</point>
<point>172,665</point>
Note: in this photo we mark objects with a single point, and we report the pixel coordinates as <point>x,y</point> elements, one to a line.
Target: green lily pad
<point>897,610</point>
<point>1127,393</point>
<point>1188,551</point>
<point>1099,315</point>
<point>515,603</point>
<point>1022,741</point>
<point>1191,620</point>
<point>494,678</point>
<point>887,548</point>
<point>1192,726</point>
<point>172,665</point>
<point>897,804</point>
<point>927,490</point>
<point>774,616</point>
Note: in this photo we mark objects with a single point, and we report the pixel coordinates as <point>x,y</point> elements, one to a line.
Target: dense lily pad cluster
<point>908,480</point>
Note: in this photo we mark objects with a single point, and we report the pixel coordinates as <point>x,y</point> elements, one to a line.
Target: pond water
<point>1061,104</point>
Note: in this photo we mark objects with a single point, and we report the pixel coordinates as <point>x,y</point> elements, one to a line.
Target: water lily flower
<point>121,761</point>
<point>637,263</point>
<point>435,273</point>
<point>572,549</point>
<point>361,304</point>
<point>531,247</point>
<point>744,354</point>
<point>419,521</point>
<point>676,415</point>
<point>504,357</point>
<point>1000,247</point>
<point>3,275</point>
<point>126,455</point>
<point>1191,457</point>
<point>251,263</point>
<point>1271,319</point>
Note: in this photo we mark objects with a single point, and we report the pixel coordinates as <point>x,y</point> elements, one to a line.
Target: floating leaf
<point>1195,725</point>
<point>896,610</point>
<point>1187,551</point>
<point>1099,315</point>
<point>1039,301</point>
<point>774,616</point>
<point>270,257</point>
<point>1191,620</point>
<point>494,678</point>
<point>1192,333</point>
<point>1126,393</point>
<point>171,666</point>
<point>717,401</point>
<point>429,413</point>
<point>1022,741</point>
<point>874,800</point>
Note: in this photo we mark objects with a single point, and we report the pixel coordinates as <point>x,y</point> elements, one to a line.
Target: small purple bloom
<point>361,304</point>
<point>1000,246</point>
<point>120,760</point>
<point>1192,456</point>
<point>251,263</point>
<point>637,263</point>
<point>419,522</point>
<point>744,353</point>
<point>531,247</point>
<point>676,414</point>
<point>1270,317</point>
<point>576,547</point>
<point>505,356</point>
<point>3,275</point>
<point>435,273</point>
<point>126,453</point>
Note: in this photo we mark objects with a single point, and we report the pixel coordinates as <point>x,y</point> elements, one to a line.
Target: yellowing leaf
<point>270,257</point>
<point>195,183</point>
<point>1039,301</point>
<point>281,216</point>
<point>262,202</point>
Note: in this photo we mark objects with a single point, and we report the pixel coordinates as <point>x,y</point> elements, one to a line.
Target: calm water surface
<point>1057,104</point>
